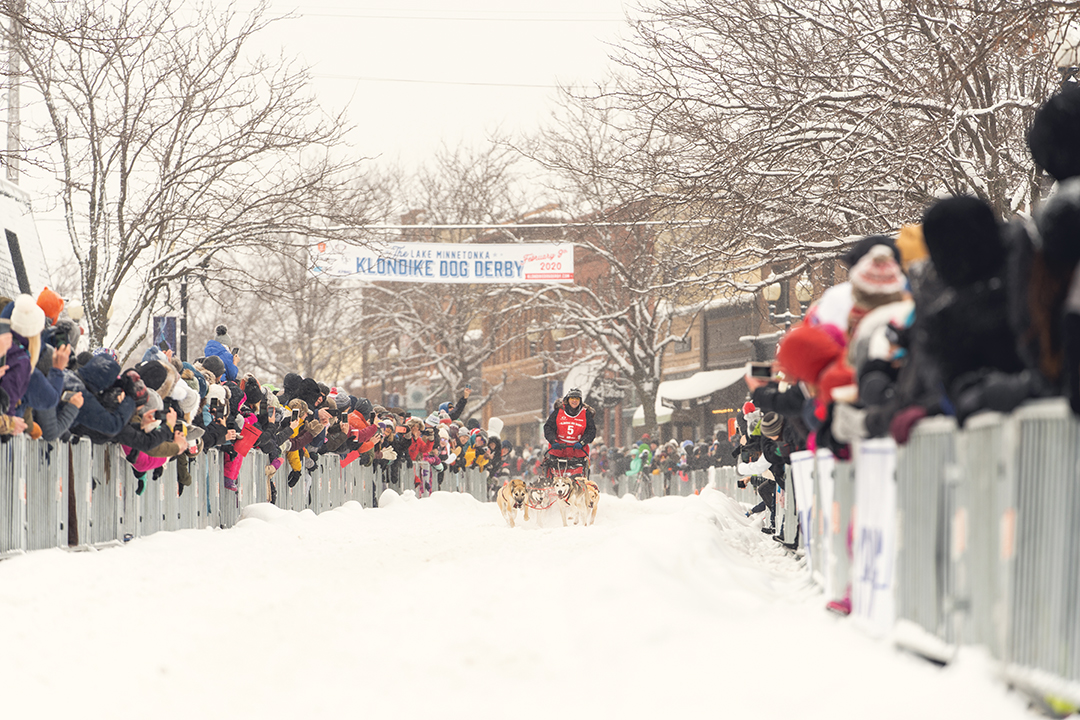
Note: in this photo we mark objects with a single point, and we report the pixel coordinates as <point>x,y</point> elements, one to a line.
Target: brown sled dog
<point>512,496</point>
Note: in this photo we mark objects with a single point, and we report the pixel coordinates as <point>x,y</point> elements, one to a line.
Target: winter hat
<point>222,336</point>
<point>215,365</point>
<point>747,408</point>
<point>1058,220</point>
<point>473,424</point>
<point>201,385</point>
<point>964,240</point>
<point>877,279</point>
<point>27,319</point>
<point>771,423</point>
<point>432,420</point>
<point>363,406</point>
<point>495,426</point>
<point>309,392</point>
<point>863,246</point>
<point>290,384</point>
<point>445,407</point>
<point>1053,139</point>
<point>216,392</point>
<point>50,303</point>
<point>251,388</point>
<point>152,373</point>
<point>186,398</point>
<point>153,402</point>
<point>154,353</point>
<point>911,245</point>
<point>805,351</point>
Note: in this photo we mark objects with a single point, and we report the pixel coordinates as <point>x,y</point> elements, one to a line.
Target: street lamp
<point>804,291</point>
<point>533,335</point>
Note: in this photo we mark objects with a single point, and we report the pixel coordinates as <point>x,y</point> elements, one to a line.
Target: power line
<point>473,16</point>
<point>439,82</point>
<point>514,226</point>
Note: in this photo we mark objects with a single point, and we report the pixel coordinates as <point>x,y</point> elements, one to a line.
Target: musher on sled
<point>569,430</point>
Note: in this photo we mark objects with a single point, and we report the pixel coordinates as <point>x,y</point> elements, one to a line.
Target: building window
<point>683,346</point>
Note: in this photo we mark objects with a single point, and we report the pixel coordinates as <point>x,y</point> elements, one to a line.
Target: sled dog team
<point>576,498</point>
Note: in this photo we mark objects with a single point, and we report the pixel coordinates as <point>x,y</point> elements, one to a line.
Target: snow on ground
<point>673,607</point>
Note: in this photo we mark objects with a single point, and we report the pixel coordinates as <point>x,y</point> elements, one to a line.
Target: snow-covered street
<point>674,607</point>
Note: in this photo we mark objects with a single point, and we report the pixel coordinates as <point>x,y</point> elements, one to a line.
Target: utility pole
<point>14,69</point>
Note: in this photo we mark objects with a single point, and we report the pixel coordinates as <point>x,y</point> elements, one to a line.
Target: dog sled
<point>563,484</point>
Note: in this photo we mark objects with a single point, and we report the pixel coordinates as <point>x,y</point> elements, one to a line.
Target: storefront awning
<point>663,414</point>
<point>689,393</point>
<point>697,389</point>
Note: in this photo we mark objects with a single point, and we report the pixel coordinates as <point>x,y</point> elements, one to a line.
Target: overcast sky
<point>415,73</point>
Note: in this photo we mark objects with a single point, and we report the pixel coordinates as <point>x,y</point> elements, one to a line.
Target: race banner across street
<point>448,263</point>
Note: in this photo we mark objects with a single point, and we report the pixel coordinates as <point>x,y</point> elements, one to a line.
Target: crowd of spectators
<point>162,409</point>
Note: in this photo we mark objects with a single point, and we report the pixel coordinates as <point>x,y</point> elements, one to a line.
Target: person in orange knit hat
<point>51,303</point>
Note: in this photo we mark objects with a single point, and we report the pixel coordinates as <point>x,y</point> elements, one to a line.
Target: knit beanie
<point>771,424</point>
<point>152,373</point>
<point>856,252</point>
<point>876,279</point>
<point>215,365</point>
<point>805,351</point>
<point>27,319</point>
<point>50,303</point>
<point>964,240</point>
<point>222,336</point>
<point>1053,138</point>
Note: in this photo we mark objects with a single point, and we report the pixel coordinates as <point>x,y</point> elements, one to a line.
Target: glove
<point>742,484</point>
<point>270,470</point>
<point>849,423</point>
<point>294,477</point>
<point>389,454</point>
<point>578,446</point>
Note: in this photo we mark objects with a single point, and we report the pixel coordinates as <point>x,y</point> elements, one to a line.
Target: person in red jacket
<point>570,427</point>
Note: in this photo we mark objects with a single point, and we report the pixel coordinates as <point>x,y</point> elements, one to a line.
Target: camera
<point>160,415</point>
<point>759,370</point>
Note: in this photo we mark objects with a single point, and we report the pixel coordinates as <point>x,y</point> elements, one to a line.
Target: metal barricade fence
<point>926,477</point>
<point>984,452</point>
<point>1043,627</point>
